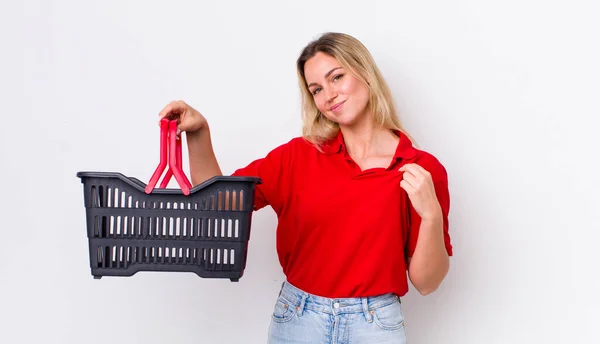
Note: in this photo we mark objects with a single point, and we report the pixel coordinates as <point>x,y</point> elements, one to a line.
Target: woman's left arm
<point>429,262</point>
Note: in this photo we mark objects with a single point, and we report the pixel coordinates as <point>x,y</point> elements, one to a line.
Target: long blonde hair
<point>355,57</point>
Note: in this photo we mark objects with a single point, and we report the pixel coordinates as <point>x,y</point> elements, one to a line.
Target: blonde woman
<point>360,209</point>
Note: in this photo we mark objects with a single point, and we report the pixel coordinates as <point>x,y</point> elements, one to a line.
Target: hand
<point>188,118</point>
<point>417,182</point>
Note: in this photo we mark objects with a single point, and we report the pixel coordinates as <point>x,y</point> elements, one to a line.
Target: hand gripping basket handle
<point>170,153</point>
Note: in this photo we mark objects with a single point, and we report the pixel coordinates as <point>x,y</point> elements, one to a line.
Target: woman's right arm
<point>203,162</point>
<point>204,165</point>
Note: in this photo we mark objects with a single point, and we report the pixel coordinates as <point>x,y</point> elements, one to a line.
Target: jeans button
<point>336,305</point>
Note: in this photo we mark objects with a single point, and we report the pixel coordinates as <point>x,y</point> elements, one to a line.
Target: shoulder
<point>293,146</point>
<point>287,152</point>
<point>431,164</point>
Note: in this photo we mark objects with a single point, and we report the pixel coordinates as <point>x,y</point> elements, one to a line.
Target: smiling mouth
<point>337,106</point>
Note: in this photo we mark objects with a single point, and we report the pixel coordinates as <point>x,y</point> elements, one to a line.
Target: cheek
<point>348,86</point>
<point>319,102</point>
<point>354,87</point>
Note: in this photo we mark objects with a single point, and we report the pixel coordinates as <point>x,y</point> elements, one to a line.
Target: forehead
<point>317,66</point>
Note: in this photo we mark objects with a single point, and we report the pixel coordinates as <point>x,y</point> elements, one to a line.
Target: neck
<point>366,139</point>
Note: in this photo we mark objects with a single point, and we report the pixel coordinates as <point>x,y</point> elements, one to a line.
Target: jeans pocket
<point>389,317</point>
<point>283,311</point>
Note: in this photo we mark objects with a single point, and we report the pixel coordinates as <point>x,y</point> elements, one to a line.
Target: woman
<point>358,206</point>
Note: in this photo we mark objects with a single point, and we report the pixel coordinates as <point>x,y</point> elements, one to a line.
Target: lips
<point>337,106</point>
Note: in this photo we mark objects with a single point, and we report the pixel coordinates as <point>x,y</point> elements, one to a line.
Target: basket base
<point>233,276</point>
<point>231,279</point>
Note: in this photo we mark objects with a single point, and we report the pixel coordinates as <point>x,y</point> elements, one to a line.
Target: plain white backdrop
<point>504,93</point>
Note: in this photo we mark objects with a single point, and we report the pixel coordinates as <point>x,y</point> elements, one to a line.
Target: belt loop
<point>365,306</point>
<point>300,307</point>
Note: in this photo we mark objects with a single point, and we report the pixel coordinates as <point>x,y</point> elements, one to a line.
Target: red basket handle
<point>170,153</point>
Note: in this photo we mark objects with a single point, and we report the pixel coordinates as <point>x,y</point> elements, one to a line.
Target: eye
<point>316,90</point>
<point>337,77</point>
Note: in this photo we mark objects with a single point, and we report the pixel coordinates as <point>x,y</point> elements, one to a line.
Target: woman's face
<point>340,96</point>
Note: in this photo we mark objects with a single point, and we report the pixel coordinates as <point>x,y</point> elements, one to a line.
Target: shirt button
<point>336,305</point>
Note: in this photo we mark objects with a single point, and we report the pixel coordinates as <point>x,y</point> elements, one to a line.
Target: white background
<point>504,93</point>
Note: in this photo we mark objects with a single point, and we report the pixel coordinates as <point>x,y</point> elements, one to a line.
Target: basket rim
<point>140,186</point>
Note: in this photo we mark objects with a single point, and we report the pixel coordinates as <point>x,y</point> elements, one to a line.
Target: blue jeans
<point>302,318</point>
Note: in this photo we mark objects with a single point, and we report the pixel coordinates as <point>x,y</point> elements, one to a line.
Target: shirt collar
<point>404,150</point>
<point>334,145</point>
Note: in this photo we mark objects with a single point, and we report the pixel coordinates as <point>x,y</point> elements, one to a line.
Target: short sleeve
<point>272,171</point>
<point>440,182</point>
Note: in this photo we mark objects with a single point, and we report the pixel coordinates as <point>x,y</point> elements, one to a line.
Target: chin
<point>345,120</point>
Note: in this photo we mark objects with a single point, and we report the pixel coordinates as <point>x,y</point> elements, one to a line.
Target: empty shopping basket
<point>134,227</point>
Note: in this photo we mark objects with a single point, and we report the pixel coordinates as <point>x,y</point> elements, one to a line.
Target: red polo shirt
<point>343,232</point>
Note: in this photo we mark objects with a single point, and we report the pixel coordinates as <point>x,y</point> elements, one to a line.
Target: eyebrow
<point>326,76</point>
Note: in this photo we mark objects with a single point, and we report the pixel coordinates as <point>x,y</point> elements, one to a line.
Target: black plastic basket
<point>205,230</point>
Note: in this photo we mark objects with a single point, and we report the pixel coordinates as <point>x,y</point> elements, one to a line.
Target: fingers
<point>413,178</point>
<point>410,183</point>
<point>407,187</point>
<point>414,169</point>
<point>172,111</point>
<point>188,119</point>
<point>176,107</point>
<point>165,111</point>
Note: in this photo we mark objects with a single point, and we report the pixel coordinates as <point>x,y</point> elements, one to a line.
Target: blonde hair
<point>355,57</point>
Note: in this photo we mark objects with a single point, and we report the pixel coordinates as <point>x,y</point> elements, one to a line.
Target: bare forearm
<point>203,162</point>
<point>430,262</point>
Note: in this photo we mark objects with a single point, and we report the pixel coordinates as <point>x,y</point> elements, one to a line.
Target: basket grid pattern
<point>107,196</point>
<point>122,257</point>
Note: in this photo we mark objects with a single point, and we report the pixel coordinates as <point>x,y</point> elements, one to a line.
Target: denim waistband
<point>303,300</point>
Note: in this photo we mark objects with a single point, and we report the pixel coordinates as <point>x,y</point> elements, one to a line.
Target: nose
<point>330,94</point>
